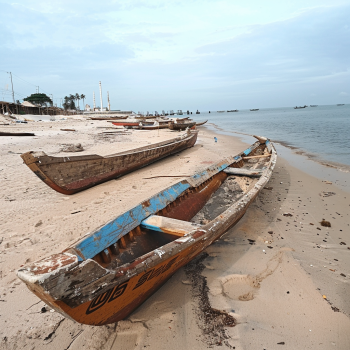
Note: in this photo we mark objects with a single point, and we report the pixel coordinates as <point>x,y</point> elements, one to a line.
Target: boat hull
<point>69,175</point>
<point>82,285</point>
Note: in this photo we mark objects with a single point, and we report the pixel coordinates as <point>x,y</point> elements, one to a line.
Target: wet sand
<point>282,276</point>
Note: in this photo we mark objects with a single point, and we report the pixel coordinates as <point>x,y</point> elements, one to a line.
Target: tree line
<point>71,100</point>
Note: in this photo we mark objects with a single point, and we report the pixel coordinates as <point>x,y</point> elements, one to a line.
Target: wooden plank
<point>168,225</point>
<point>261,156</point>
<point>243,172</point>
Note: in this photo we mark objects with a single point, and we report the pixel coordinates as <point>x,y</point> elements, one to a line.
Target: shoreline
<point>285,285</point>
<point>307,162</point>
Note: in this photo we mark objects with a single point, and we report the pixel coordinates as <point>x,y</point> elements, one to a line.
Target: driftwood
<point>68,130</point>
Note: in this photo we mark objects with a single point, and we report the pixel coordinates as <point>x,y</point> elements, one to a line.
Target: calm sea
<point>321,132</point>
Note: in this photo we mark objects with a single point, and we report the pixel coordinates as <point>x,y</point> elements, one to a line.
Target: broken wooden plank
<point>243,172</point>
<point>168,225</point>
<point>261,156</point>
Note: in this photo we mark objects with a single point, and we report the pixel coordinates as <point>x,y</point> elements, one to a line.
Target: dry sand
<point>285,279</point>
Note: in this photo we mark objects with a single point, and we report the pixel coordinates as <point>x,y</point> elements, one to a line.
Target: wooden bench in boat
<point>167,225</point>
<point>244,172</point>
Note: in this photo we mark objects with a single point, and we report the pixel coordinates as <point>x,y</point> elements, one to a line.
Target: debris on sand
<point>72,148</point>
<point>287,214</point>
<point>211,321</point>
<point>325,223</point>
<point>327,194</point>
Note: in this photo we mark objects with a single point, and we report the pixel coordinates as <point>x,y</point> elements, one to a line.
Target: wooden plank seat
<point>244,172</point>
<point>168,225</point>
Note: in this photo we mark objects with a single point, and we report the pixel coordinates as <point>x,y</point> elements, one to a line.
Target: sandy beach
<point>282,275</point>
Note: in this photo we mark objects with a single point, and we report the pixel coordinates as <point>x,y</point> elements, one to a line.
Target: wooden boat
<point>181,125</point>
<point>126,123</point>
<point>6,133</point>
<point>69,175</point>
<point>201,123</point>
<point>108,273</point>
<point>154,126</point>
<point>108,118</point>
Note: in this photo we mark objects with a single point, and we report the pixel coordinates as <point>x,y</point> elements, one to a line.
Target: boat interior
<point>195,207</point>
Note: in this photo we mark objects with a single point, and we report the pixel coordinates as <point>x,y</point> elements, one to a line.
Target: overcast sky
<point>154,55</point>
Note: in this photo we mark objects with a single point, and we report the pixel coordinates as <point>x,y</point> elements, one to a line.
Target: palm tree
<point>77,97</point>
<point>82,96</point>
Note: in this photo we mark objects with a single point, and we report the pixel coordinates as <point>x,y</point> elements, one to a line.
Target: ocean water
<point>321,133</point>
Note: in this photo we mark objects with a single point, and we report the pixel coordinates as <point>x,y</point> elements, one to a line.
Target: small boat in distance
<point>340,104</point>
<point>109,118</point>
<point>300,107</point>
<point>313,105</point>
<point>220,111</point>
<point>179,112</point>
<point>233,110</point>
<point>254,109</point>
<point>72,174</point>
<point>198,112</point>
<point>181,125</point>
<point>107,273</point>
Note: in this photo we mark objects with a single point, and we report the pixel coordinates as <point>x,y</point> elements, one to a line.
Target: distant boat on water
<point>340,104</point>
<point>198,112</point>
<point>254,109</point>
<point>313,105</point>
<point>233,110</point>
<point>220,111</point>
<point>179,112</point>
<point>296,107</point>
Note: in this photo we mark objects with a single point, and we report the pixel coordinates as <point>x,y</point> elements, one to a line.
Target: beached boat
<point>6,133</point>
<point>181,125</point>
<point>201,123</point>
<point>108,118</point>
<point>126,122</point>
<point>69,175</point>
<point>153,126</point>
<point>104,276</point>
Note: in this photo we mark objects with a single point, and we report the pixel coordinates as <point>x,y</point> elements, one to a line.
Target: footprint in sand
<point>245,287</point>
<point>240,287</point>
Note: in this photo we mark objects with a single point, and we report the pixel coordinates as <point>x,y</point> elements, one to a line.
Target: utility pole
<point>101,96</point>
<point>13,94</point>
<point>109,103</point>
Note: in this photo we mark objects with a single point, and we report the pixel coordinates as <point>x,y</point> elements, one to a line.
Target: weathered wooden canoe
<point>181,125</point>
<point>69,175</point>
<point>126,123</point>
<point>109,118</point>
<point>108,273</point>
